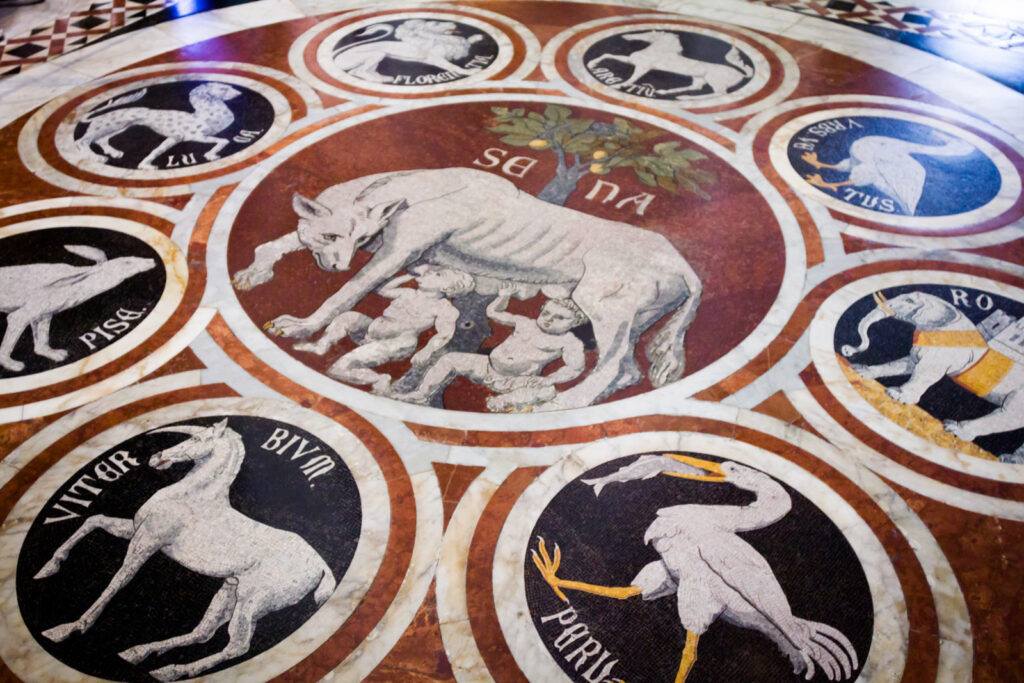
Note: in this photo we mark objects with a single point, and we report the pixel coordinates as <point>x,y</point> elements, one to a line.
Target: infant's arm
<point>496,309</point>
<point>393,289</point>
<point>573,357</point>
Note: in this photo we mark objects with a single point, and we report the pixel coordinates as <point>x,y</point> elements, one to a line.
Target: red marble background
<point>732,240</point>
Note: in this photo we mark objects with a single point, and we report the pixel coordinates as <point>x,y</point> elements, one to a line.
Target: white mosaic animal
<point>886,164</point>
<point>32,294</point>
<point>713,572</point>
<point>624,279</point>
<point>415,40</point>
<point>946,343</point>
<point>192,522</point>
<point>665,52</point>
<point>209,116</point>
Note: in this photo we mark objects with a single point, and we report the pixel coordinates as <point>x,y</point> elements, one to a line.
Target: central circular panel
<point>504,256</point>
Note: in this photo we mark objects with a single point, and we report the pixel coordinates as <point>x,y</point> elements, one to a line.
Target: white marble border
<point>28,138</point>
<point>26,659</point>
<point>486,23</point>
<point>1009,189</point>
<point>823,355</point>
<point>69,150</point>
<point>890,638</point>
<point>221,294</point>
<point>791,73</point>
<point>176,272</point>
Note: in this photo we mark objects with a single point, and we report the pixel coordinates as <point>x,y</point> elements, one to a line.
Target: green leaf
<point>556,113</point>
<point>580,144</point>
<point>518,113</point>
<point>515,128</point>
<point>533,126</point>
<point>518,140</point>
<point>667,183</point>
<point>578,126</point>
<point>666,147</point>
<point>645,177</point>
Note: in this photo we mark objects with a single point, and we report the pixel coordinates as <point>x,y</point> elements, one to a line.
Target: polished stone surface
<point>513,340</point>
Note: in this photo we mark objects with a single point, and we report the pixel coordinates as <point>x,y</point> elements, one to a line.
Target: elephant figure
<point>946,343</point>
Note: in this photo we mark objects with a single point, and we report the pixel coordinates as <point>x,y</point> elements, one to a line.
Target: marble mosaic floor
<point>513,340</point>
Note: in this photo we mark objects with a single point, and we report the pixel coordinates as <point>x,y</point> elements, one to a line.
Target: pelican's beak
<point>713,469</point>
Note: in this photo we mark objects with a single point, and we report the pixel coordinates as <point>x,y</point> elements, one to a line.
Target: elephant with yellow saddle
<point>947,343</point>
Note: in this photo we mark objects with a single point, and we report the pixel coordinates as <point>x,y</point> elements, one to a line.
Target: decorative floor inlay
<point>511,340</point>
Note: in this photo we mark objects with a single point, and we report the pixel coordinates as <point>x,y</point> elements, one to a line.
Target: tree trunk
<point>562,185</point>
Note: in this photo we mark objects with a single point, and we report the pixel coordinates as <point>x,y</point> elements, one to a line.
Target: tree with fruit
<point>599,148</point>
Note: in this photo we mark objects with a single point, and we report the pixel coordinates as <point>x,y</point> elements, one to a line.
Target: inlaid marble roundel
<point>489,255</point>
<point>896,168</point>
<point>413,51</point>
<point>409,53</point>
<point>172,126</point>
<point>732,572</point>
<point>945,362</point>
<point>232,519</point>
<point>669,64</point>
<point>70,293</point>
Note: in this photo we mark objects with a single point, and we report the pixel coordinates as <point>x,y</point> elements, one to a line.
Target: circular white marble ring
<point>871,181</point>
<point>176,271</point>
<point>827,362</point>
<point>29,661</point>
<point>887,655</point>
<point>346,82</point>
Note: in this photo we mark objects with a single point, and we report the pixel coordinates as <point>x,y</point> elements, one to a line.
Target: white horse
<point>192,522</point>
<point>664,52</point>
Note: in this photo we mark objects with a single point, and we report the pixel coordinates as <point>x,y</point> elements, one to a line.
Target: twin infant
<point>512,369</point>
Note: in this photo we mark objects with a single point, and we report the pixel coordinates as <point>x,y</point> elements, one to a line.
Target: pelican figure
<point>887,165</point>
<point>712,571</point>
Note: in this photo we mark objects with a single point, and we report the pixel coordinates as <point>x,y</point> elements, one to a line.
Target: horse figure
<point>192,522</point>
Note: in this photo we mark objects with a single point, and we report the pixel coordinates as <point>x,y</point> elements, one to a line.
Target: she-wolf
<point>624,278</point>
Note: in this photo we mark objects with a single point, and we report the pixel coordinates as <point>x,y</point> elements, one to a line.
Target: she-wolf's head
<point>333,231</point>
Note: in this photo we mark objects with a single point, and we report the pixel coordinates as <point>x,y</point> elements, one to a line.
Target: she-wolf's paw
<point>250,277</point>
<point>290,326</point>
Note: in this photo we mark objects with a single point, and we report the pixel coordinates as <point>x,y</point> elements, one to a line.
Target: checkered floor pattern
<point>85,26</point>
<point>977,28</point>
<point>69,33</point>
